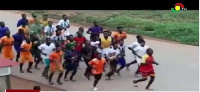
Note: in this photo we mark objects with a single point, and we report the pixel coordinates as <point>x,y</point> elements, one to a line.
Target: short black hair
<point>71,35</point>
<point>142,40</point>
<point>138,36</point>
<point>119,27</point>
<point>23,14</point>
<point>63,15</point>
<point>36,88</point>
<point>47,38</point>
<point>45,15</point>
<point>49,21</point>
<point>57,45</point>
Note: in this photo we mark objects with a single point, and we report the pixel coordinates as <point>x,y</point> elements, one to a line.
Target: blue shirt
<point>3,31</point>
<point>22,21</point>
<point>18,38</point>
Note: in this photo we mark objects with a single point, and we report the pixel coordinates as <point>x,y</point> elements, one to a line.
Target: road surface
<point>178,69</point>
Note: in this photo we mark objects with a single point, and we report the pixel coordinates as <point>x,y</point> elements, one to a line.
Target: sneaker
<point>50,83</point>
<point>21,71</point>
<point>147,88</point>
<point>135,84</point>
<point>59,83</point>
<point>95,89</point>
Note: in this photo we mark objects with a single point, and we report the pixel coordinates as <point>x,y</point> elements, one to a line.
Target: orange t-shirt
<point>98,65</point>
<point>117,36</point>
<point>26,46</point>
<point>6,40</point>
<point>56,56</point>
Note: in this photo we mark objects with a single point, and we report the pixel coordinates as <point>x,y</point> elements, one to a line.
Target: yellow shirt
<point>105,43</point>
<point>44,23</point>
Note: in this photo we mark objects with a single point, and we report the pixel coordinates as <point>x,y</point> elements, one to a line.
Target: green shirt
<point>36,28</point>
<point>69,45</point>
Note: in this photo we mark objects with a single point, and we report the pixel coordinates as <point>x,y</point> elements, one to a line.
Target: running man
<point>120,35</point>
<point>7,42</point>
<point>131,47</point>
<point>88,55</point>
<point>18,39</point>
<point>121,58</point>
<point>35,50</point>
<point>58,38</point>
<point>97,65</point>
<point>56,64</point>
<point>3,29</point>
<point>44,23</point>
<point>105,43</point>
<point>71,63</point>
<point>80,40</point>
<point>46,49</point>
<point>146,68</point>
<point>111,56</point>
<point>64,23</point>
<point>95,30</point>
<point>49,29</point>
<point>36,28</point>
<point>80,29</point>
<point>22,21</point>
<point>25,55</point>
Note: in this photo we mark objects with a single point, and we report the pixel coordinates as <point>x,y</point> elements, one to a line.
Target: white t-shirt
<point>63,23</point>
<point>96,43</point>
<point>46,49</point>
<point>47,29</point>
<point>56,38</point>
<point>141,51</point>
<point>134,45</point>
<point>112,53</point>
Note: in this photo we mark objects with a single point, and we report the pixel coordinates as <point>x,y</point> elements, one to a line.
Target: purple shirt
<point>95,29</point>
<point>3,31</point>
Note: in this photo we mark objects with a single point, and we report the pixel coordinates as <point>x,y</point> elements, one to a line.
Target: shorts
<point>104,51</point>
<point>46,62</point>
<point>23,58</point>
<point>54,68</point>
<point>36,53</point>
<point>146,74</point>
<point>122,61</point>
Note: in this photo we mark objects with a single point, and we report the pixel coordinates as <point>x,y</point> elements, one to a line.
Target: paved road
<point>178,69</point>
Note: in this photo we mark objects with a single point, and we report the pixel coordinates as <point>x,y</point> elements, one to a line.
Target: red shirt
<point>79,43</point>
<point>147,67</point>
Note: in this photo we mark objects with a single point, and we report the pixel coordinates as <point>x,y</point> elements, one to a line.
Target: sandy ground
<point>178,69</point>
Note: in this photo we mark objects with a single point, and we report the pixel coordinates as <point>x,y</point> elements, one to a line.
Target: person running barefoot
<point>25,54</point>
<point>46,49</point>
<point>7,42</point>
<point>56,64</point>
<point>146,68</point>
<point>97,65</point>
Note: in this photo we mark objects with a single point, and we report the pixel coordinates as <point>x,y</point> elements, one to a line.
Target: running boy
<point>121,59</point>
<point>120,35</point>
<point>105,43</point>
<point>146,68</point>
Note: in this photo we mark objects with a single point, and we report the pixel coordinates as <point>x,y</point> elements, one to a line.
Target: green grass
<point>181,27</point>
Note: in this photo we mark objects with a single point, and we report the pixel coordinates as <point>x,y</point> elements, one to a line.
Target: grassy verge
<point>181,27</point>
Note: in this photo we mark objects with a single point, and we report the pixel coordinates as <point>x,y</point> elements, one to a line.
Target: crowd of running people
<point>40,41</point>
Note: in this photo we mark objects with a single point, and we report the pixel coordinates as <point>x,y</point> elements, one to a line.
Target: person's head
<point>120,29</point>
<point>34,35</point>
<point>48,41</point>
<point>28,40</point>
<point>95,23</point>
<point>23,16</point>
<point>87,43</point>
<point>50,23</point>
<point>139,38</point>
<point>2,24</point>
<point>142,43</point>
<point>80,34</point>
<point>106,33</point>
<point>58,27</point>
<point>149,51</point>
<point>58,48</point>
<point>64,17</point>
<point>8,33</point>
<point>58,32</point>
<point>109,33</point>
<point>81,29</point>
<point>36,21</point>
<point>34,15</point>
<point>45,17</point>
<point>20,31</point>
<point>36,88</point>
<point>98,55</point>
<point>115,45</point>
<point>121,42</point>
<point>71,38</point>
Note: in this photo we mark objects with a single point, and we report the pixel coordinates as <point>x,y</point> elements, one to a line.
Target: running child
<point>97,65</point>
<point>25,55</point>
<point>121,57</point>
<point>7,42</point>
<point>105,43</point>
<point>56,64</point>
<point>120,35</point>
<point>146,68</point>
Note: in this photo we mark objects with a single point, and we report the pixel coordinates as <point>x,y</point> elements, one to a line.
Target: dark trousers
<point>97,77</point>
<point>113,66</point>
<point>88,69</point>
<point>70,67</point>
